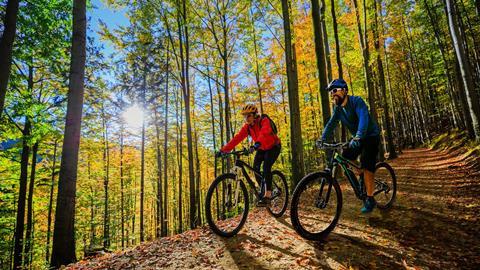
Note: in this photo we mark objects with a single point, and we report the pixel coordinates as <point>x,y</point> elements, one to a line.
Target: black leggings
<point>268,157</point>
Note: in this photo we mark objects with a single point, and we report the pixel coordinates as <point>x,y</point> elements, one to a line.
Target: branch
<point>276,11</point>
<point>20,69</point>
<point>11,120</point>
<point>269,29</point>
<point>206,75</point>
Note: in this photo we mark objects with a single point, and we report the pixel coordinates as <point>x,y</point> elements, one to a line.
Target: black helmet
<point>337,83</point>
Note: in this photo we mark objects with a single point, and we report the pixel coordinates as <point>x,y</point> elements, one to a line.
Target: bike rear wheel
<point>316,206</point>
<point>226,205</point>
<point>279,201</point>
<point>385,185</point>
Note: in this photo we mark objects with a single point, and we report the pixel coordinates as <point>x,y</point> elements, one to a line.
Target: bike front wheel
<point>226,205</point>
<point>316,206</point>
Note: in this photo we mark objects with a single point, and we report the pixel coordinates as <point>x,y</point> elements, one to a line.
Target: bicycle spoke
<point>231,203</point>
<point>279,195</point>
<point>385,186</point>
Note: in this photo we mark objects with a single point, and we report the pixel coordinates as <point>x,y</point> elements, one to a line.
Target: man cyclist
<point>353,113</point>
<point>266,143</point>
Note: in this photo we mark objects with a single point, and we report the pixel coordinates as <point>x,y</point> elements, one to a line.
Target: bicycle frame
<point>241,166</point>
<point>340,161</point>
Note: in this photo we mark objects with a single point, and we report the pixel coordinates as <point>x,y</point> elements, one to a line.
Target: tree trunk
<point>186,98</point>
<point>437,32</point>
<point>226,85</point>
<point>63,251</point>
<point>366,59</point>
<point>50,203</point>
<point>28,231</point>
<point>122,187</point>
<point>337,41</point>
<point>106,169</point>
<point>293,99</point>
<point>159,199</point>
<point>92,205</point>
<point>320,54</point>
<point>383,88</point>
<point>212,118</point>
<point>6,47</point>
<point>469,86</point>
<point>180,158</point>
<point>134,209</point>
<point>142,169</point>
<point>477,7</point>
<point>395,127</point>
<point>165,153</point>
<point>198,182</point>
<point>326,46</point>
<point>257,66</point>
<point>22,194</point>
<point>221,119</point>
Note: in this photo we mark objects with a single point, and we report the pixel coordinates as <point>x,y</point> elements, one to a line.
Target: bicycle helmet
<point>249,109</point>
<point>337,83</point>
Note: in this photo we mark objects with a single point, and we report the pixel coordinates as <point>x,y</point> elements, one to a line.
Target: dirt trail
<point>434,224</point>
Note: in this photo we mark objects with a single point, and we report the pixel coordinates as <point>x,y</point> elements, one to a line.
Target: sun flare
<point>133,116</point>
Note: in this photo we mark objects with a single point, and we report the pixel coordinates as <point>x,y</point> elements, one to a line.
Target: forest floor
<point>434,224</point>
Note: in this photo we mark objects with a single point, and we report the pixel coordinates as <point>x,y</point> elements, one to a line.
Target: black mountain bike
<point>227,201</point>
<point>317,199</point>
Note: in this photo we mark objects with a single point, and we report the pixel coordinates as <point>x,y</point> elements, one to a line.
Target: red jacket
<point>260,132</point>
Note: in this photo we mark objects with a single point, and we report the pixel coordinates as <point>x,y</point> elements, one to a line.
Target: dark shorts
<point>368,152</point>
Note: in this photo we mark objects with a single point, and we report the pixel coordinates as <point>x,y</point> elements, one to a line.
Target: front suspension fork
<point>320,201</point>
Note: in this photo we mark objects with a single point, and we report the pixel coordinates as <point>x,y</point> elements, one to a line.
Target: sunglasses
<point>335,90</point>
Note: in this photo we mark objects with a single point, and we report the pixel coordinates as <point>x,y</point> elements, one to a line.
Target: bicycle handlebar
<point>341,145</point>
<point>243,152</point>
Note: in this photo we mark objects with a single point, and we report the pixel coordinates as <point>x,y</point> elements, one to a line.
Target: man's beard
<point>338,100</point>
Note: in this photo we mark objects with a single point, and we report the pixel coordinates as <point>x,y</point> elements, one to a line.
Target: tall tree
<point>326,46</point>
<point>22,194</point>
<point>106,179</point>
<point>50,203</point>
<point>29,230</point>
<point>183,27</point>
<point>363,39</point>
<point>159,200</point>
<point>337,41</point>
<point>6,47</point>
<point>465,68</point>
<point>320,53</point>
<point>381,80</point>
<point>253,31</point>
<point>293,100</point>
<point>142,153</point>
<point>165,146</point>
<point>63,251</point>
<point>122,184</point>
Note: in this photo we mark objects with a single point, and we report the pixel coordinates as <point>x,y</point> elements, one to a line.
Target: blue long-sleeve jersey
<point>355,117</point>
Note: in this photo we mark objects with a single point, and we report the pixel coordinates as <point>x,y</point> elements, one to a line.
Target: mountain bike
<point>227,200</point>
<point>317,199</point>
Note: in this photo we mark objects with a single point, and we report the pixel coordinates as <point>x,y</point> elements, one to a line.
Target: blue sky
<point>113,19</point>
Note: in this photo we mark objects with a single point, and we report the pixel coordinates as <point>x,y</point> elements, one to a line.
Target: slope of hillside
<point>434,224</point>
